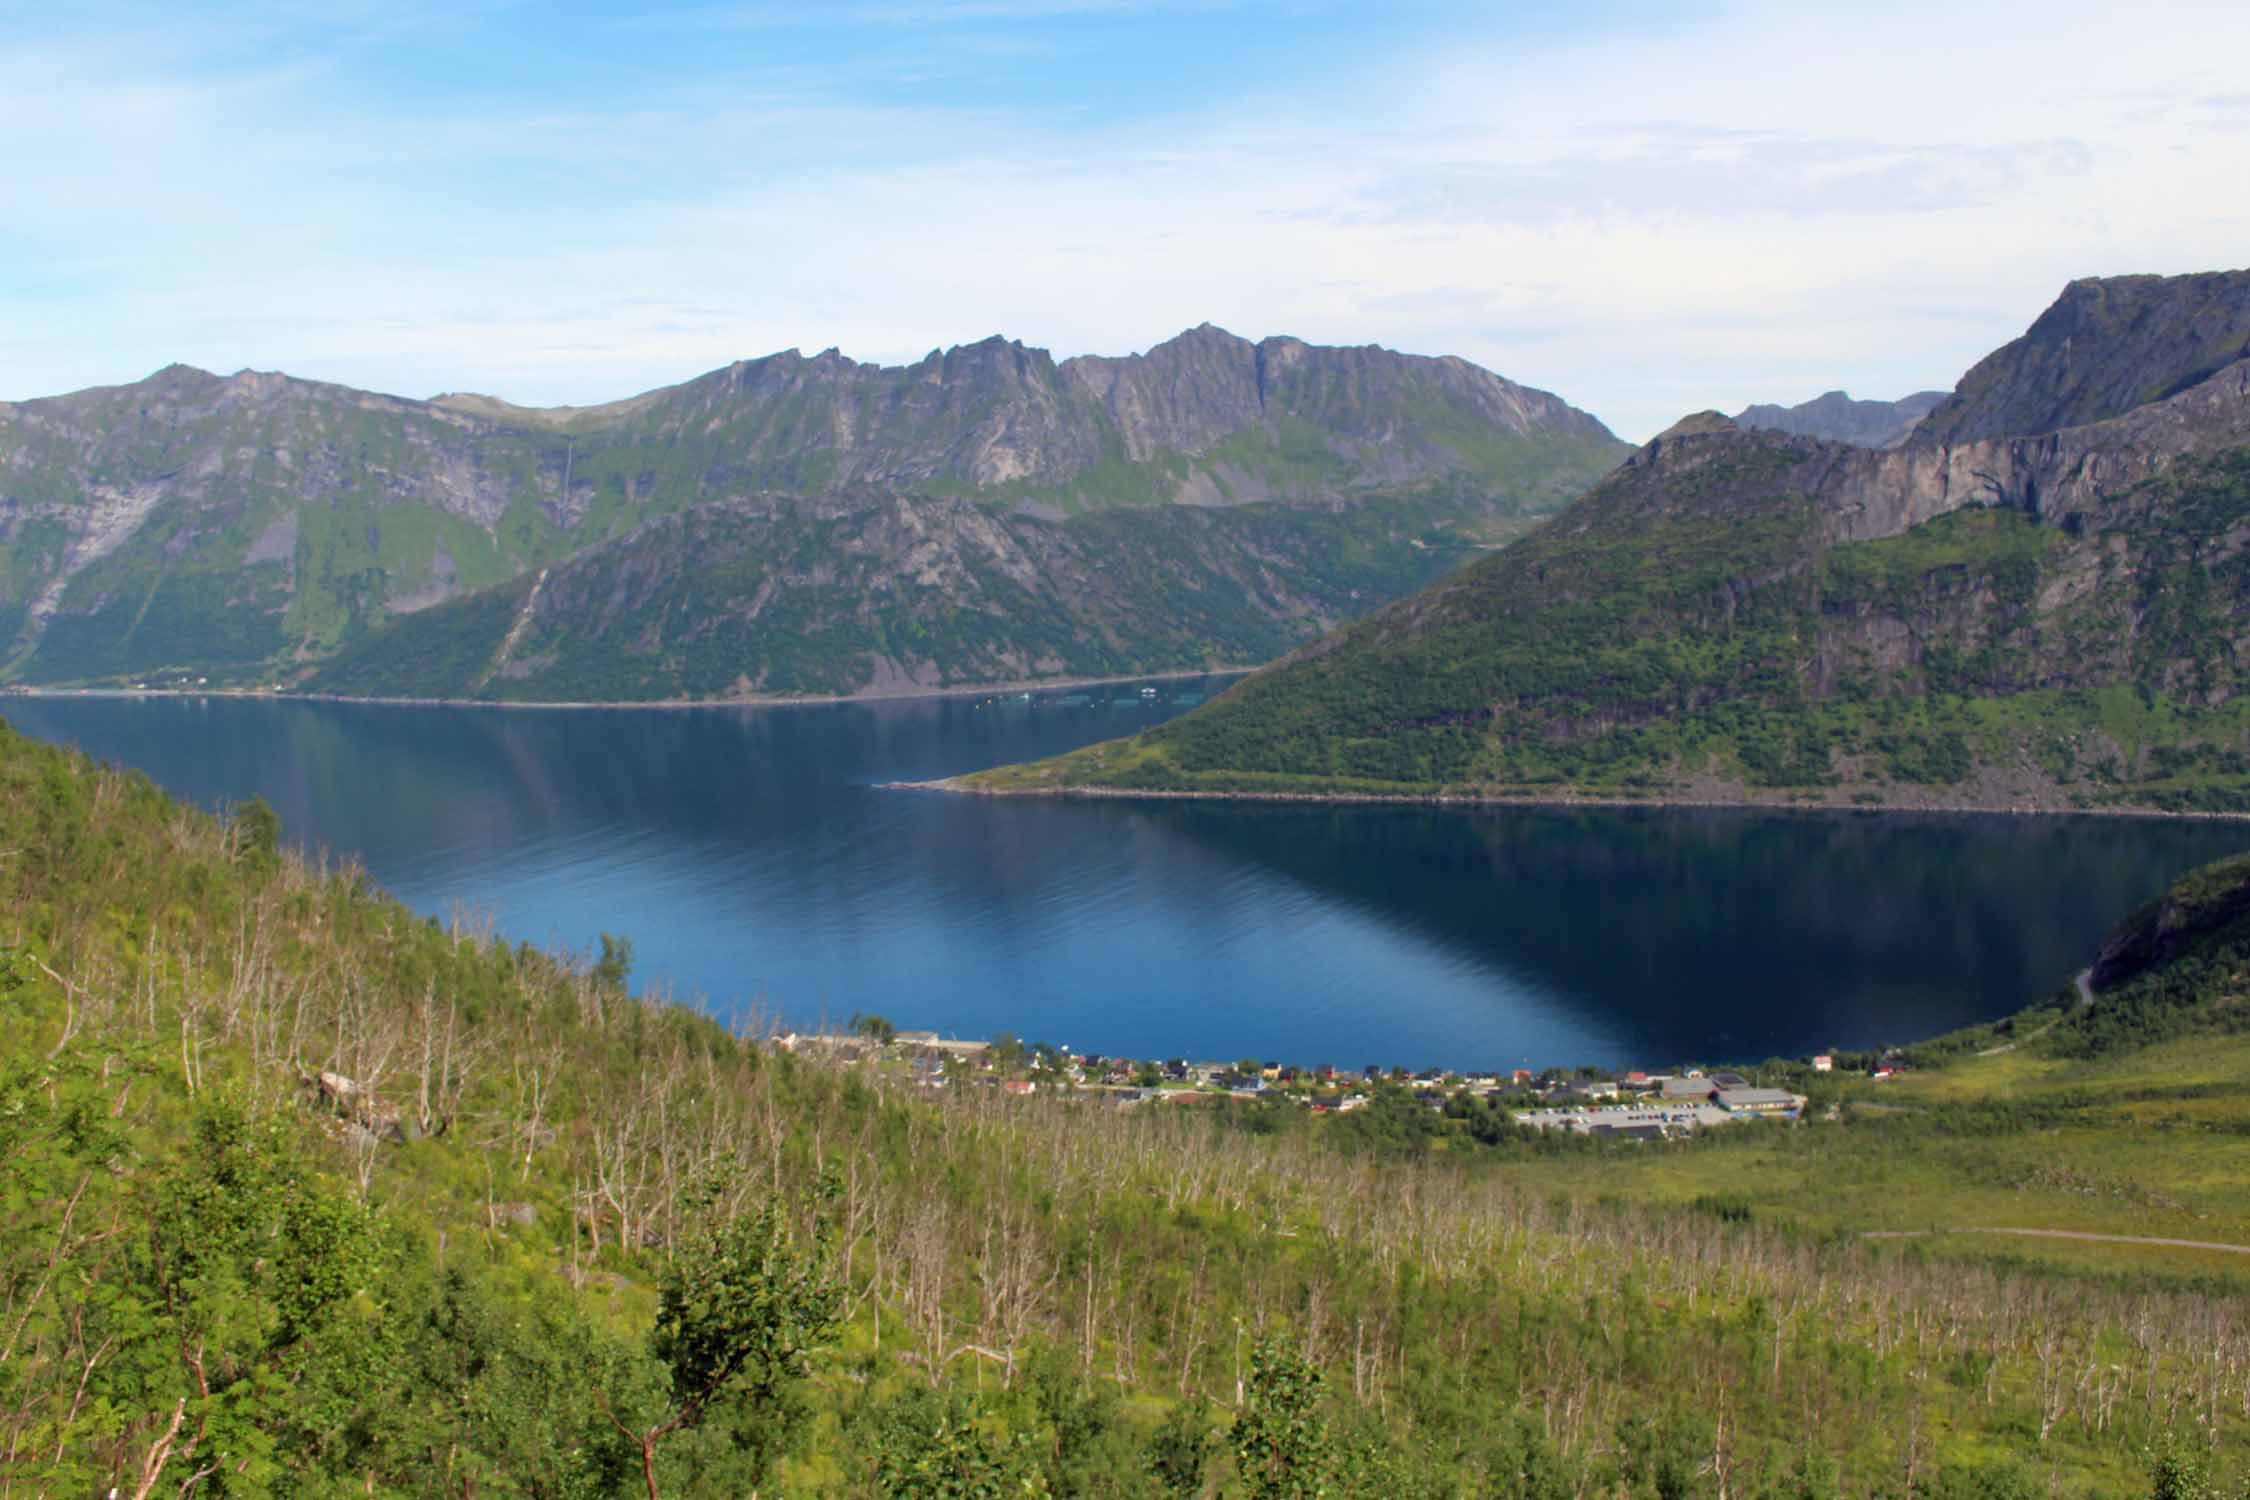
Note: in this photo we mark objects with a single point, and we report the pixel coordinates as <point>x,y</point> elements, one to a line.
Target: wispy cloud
<point>1760,206</point>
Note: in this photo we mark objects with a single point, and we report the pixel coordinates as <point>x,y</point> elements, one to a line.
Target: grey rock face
<point>1838,418</point>
<point>2106,346</point>
<point>2162,931</point>
<point>1863,494</point>
<point>1391,418</point>
<point>1695,424</point>
<point>1185,395</point>
<point>2112,385</point>
<point>2050,474</point>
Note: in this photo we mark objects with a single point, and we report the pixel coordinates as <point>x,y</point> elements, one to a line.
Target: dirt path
<point>2064,1234</point>
<point>514,637</point>
<point>2085,984</point>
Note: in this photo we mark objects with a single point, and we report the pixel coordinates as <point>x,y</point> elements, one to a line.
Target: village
<point>1628,1105</point>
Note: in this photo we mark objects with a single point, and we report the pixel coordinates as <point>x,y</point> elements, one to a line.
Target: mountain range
<point>785,524</point>
<point>2041,598</point>
<point>1836,416</point>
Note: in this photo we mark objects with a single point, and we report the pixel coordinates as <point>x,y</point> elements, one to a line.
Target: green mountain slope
<point>2049,621</point>
<point>2179,966</point>
<point>870,592</point>
<point>246,528</point>
<point>308,1197</point>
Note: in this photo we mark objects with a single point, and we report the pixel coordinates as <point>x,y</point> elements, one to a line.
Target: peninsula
<point>2034,602</point>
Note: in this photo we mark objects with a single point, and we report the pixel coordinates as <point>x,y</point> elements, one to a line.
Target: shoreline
<point>807,700</point>
<point>956,786</point>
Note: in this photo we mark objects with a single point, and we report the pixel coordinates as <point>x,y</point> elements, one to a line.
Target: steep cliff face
<point>2108,345</point>
<point>1186,395</point>
<point>1387,418</point>
<point>2051,474</point>
<point>975,417</point>
<point>250,526</point>
<point>2060,618</point>
<point>1838,418</point>
<point>1202,418</point>
<point>2196,907</point>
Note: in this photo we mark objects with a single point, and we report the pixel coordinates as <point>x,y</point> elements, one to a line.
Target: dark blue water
<point>756,863</point>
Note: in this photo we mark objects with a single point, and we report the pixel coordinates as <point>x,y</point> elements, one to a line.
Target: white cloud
<point>1758,208</point>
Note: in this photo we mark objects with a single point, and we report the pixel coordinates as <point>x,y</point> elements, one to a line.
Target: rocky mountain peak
<point>1206,334</point>
<point>1838,417</point>
<point>174,380</point>
<point>997,353</point>
<point>2106,346</point>
<point>1696,424</point>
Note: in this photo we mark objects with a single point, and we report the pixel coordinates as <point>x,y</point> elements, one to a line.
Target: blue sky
<point>1649,209</point>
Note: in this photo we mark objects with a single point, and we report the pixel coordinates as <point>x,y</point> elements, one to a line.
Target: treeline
<point>307,1196</point>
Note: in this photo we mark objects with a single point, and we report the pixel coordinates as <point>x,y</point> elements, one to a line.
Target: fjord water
<point>761,869</point>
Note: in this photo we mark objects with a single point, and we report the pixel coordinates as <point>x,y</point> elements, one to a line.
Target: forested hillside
<point>2047,620</point>
<point>307,1196</point>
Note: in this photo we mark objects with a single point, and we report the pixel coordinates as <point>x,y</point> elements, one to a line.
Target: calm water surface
<point>756,862</point>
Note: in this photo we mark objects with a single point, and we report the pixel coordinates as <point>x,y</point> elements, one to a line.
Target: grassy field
<point>2151,1144</point>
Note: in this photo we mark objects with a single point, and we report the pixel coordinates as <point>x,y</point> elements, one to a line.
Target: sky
<point>1648,209</point>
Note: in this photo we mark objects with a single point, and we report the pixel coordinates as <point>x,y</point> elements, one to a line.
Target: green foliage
<point>1181,1449</point>
<point>243,1230</point>
<point>2180,1476</point>
<point>1393,1122</point>
<point>620,1247</point>
<point>2177,967</point>
<point>944,1448</point>
<point>256,829</point>
<point>445,652</point>
<point>615,966</point>
<point>742,1309</point>
<point>740,1312</point>
<point>512,1373</point>
<point>1283,1449</point>
<point>1684,629</point>
<point>1983,1481</point>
